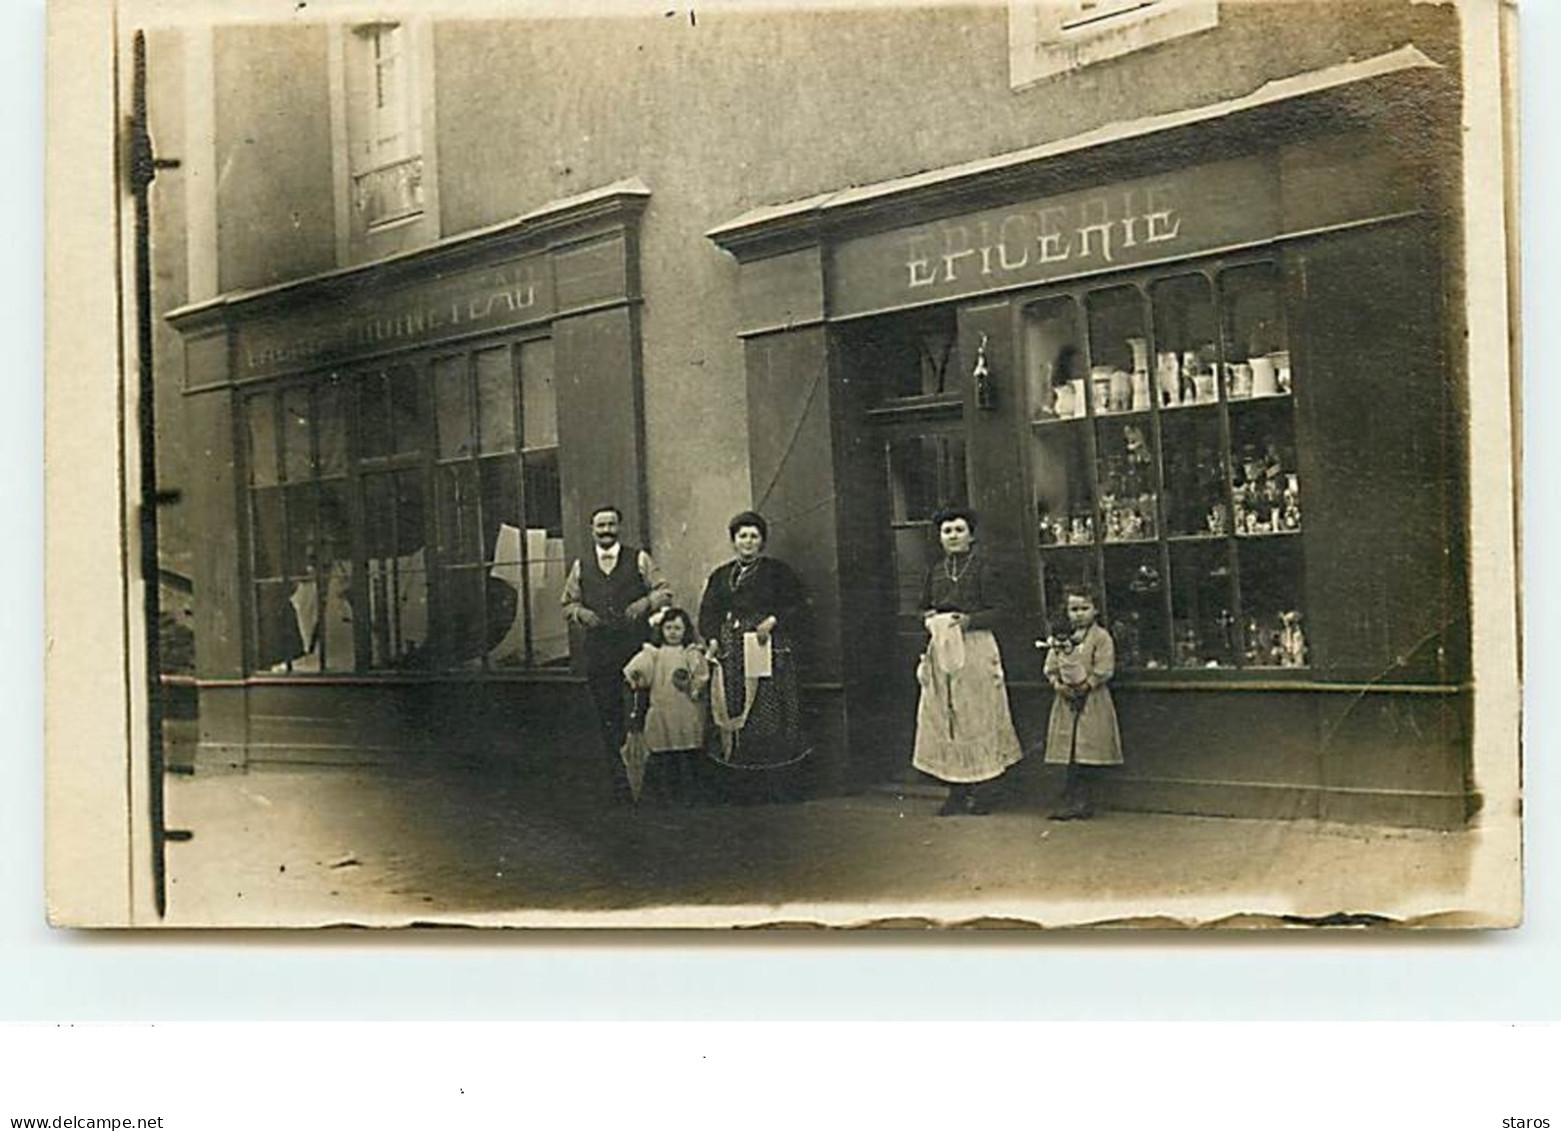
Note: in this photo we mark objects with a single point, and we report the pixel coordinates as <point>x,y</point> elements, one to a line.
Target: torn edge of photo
<point>839,464</point>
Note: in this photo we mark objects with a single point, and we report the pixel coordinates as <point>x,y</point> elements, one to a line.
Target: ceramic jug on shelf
<point>1140,348</point>
<point>1168,379</point>
<point>1121,395</point>
<point>1265,376</point>
<point>1063,401</point>
<point>1140,391</point>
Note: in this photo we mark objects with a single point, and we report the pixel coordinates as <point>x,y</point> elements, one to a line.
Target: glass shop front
<point>1226,404</point>
<point>397,466</point>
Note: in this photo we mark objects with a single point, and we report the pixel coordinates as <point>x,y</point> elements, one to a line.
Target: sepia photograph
<point>1029,464</point>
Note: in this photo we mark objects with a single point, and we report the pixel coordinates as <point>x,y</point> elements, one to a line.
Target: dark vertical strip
<point>1163,510</point>
<point>523,596</point>
<point>141,172</point>
<point>1224,354</point>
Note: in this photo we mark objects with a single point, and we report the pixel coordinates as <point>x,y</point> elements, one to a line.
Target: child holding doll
<point>1082,733</point>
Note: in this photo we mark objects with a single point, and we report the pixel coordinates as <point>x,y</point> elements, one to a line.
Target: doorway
<point>909,460</point>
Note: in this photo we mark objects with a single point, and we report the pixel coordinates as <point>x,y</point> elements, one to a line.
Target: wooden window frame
<point>425,462</point>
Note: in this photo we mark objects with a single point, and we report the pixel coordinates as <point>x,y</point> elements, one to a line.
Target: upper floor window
<point>1049,37</point>
<point>384,125</point>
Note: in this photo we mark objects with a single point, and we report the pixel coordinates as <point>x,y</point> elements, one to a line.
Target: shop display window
<point>300,542</point>
<point>409,517</point>
<point>925,474</point>
<point>914,358</point>
<point>1162,465</point>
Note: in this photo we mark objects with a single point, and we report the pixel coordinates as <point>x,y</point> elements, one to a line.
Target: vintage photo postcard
<point>1029,463</point>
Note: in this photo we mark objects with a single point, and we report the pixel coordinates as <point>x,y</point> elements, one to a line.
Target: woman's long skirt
<point>964,732</point>
<point>770,737</point>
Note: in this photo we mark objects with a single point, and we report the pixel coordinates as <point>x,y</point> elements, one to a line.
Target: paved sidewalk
<point>313,846</point>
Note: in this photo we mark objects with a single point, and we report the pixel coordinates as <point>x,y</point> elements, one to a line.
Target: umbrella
<point>635,754</point>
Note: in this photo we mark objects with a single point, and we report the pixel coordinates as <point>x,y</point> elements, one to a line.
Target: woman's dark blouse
<point>771,589</point>
<point>978,592</point>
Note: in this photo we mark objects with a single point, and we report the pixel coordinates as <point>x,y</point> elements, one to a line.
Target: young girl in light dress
<point>1082,733</point>
<point>669,677</point>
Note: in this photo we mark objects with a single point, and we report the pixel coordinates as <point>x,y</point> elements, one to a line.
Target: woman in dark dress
<point>758,720</point>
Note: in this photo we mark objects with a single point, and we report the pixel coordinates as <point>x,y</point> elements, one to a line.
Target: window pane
<point>407,409</point>
<point>278,640</point>
<point>545,566</point>
<point>1203,624</point>
<point>1186,356</point>
<point>544,499</point>
<point>501,503</point>
<point>935,361</point>
<point>301,551</point>
<point>1195,503</point>
<point>925,473</point>
<point>374,415</point>
<point>265,532</point>
<point>910,355</point>
<point>463,628</point>
<point>545,569</point>
<point>913,553</point>
<point>393,514</point>
<point>495,401</point>
<point>335,522</point>
<point>1126,461</point>
<point>260,418</point>
<point>453,407</point>
<point>1257,349</point>
<point>1062,485</point>
<point>398,612</point>
<point>539,398</point>
<point>1054,360</point>
<point>379,516</point>
<point>336,648</point>
<point>330,406</point>
<point>1118,349</point>
<point>460,537</point>
<point>1274,630</point>
<point>507,612</point>
<point>1266,487</point>
<point>1061,478</point>
<point>297,453</point>
<point>396,571</point>
<point>508,544</point>
<point>324,626</point>
<point>1135,604</point>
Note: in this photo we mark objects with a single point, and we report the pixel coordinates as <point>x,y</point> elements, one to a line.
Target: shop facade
<point>412,439</point>
<point>1221,393</point>
<point>1196,343</point>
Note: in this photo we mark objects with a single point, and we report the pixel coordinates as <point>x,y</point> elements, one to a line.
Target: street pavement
<point>314,846</point>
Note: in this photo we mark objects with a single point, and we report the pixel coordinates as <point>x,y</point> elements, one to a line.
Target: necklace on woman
<point>955,566</point>
<point>742,570</point>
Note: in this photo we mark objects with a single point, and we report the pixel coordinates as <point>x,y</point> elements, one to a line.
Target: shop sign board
<point>1179,213</point>
<point>372,318</point>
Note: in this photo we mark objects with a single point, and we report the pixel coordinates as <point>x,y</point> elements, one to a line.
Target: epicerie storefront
<point>1209,364</point>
